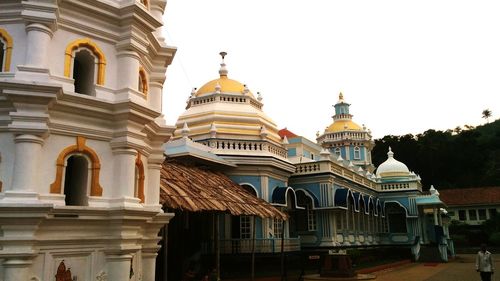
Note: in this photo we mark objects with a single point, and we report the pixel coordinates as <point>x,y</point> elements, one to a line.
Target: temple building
<point>332,193</point>
<point>81,139</point>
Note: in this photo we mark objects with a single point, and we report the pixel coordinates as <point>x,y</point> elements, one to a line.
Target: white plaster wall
<point>7,159</point>
<point>18,34</point>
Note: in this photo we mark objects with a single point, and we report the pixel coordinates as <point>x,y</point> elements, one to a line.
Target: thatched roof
<point>195,189</point>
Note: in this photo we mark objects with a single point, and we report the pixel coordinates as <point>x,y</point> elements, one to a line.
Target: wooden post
<point>217,246</point>
<point>165,253</point>
<point>253,249</point>
<point>283,250</point>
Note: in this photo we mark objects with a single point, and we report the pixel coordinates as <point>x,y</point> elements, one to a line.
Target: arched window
<point>242,226</point>
<point>305,219</point>
<point>83,72</point>
<point>143,81</point>
<point>65,159</point>
<point>397,217</point>
<point>139,178</point>
<point>5,50</point>
<point>76,180</point>
<point>85,63</point>
<point>357,153</point>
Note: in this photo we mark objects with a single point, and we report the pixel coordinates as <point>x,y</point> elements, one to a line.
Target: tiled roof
<point>285,132</point>
<point>471,196</point>
<point>191,188</point>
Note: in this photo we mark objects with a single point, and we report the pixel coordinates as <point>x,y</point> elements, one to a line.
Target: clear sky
<point>405,66</point>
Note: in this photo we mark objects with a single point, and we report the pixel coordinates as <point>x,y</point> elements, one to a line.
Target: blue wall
<point>253,180</point>
<point>292,152</point>
<point>273,183</point>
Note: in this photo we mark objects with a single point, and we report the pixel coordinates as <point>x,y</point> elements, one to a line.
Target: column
<point>38,41</point>
<point>435,211</point>
<point>128,70</point>
<point>152,191</point>
<point>155,94</point>
<point>334,214</point>
<point>157,12</point>
<point>148,266</point>
<point>124,183</point>
<point>119,266</point>
<point>26,167</point>
<point>17,269</point>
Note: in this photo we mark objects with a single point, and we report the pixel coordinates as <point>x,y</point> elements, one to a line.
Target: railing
<point>327,166</point>
<point>262,245</point>
<point>247,146</point>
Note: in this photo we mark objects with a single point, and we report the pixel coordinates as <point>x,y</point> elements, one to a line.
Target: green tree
<point>446,159</point>
<point>487,115</point>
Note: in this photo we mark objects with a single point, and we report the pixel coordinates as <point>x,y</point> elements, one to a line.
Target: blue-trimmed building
<point>334,195</point>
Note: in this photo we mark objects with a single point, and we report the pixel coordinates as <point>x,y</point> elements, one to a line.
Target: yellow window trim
<point>140,167</point>
<point>8,51</point>
<point>79,147</point>
<point>144,80</point>
<point>86,43</point>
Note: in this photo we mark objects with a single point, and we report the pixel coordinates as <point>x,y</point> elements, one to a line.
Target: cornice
<point>260,161</point>
<point>45,12</point>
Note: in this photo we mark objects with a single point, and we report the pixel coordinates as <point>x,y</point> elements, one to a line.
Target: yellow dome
<point>343,125</point>
<point>226,86</point>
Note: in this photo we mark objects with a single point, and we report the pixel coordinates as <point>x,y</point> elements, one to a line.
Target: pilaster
<point>26,167</point>
<point>124,184</point>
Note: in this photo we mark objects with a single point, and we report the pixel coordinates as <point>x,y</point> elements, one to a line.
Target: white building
<point>81,135</point>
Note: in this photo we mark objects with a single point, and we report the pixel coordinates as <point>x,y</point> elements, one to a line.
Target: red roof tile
<point>285,132</point>
<point>470,196</point>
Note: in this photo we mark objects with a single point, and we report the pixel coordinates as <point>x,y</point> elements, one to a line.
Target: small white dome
<point>392,167</point>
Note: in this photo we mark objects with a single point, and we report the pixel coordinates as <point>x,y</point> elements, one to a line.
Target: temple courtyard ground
<point>462,268</point>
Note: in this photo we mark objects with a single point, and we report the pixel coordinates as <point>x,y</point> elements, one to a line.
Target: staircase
<point>430,253</point>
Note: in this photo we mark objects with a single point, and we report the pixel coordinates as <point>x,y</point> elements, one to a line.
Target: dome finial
<point>223,69</point>
<point>390,154</point>
<point>185,130</point>
<point>341,97</point>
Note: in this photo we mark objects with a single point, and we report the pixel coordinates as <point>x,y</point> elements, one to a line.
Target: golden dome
<point>226,86</point>
<point>343,125</point>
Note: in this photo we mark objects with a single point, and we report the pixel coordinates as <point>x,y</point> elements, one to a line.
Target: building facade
<point>81,135</point>
<point>472,206</point>
<point>330,188</point>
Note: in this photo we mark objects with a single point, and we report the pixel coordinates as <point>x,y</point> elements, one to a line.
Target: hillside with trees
<point>468,157</point>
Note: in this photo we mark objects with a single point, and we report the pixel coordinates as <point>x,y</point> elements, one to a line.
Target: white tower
<point>81,135</point>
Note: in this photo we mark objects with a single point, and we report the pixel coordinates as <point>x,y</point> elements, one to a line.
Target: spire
<point>341,97</point>
<point>217,88</point>
<point>390,154</point>
<point>185,130</point>
<point>223,69</point>
<point>213,131</point>
<point>325,154</point>
<point>263,132</point>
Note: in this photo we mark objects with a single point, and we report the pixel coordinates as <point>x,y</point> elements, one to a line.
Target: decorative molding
<point>79,147</point>
<point>8,49</point>
<point>85,43</point>
<point>102,276</point>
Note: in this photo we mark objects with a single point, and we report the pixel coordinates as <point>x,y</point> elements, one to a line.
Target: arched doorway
<point>396,216</point>
<point>76,181</point>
